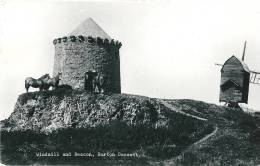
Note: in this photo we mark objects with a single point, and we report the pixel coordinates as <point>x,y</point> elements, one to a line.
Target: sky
<point>169,47</point>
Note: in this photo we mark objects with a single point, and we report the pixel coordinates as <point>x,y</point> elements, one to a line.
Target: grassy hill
<point>155,131</point>
<point>235,142</point>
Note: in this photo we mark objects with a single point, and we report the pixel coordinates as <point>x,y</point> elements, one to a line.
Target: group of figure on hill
<point>93,82</point>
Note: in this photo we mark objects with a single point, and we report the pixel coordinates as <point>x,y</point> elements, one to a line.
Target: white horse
<point>53,82</point>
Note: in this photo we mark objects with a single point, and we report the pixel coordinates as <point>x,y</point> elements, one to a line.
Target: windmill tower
<point>88,47</point>
<point>235,79</point>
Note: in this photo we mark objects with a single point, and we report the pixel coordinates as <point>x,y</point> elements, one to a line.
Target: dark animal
<point>53,82</point>
<point>89,76</point>
<point>36,83</point>
<point>98,83</point>
<point>94,82</point>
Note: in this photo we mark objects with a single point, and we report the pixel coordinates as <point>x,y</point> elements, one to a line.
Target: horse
<point>94,82</point>
<point>98,83</point>
<point>54,82</point>
<point>89,76</point>
<point>36,83</point>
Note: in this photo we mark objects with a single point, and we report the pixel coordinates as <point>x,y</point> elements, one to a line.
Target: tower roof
<point>90,28</point>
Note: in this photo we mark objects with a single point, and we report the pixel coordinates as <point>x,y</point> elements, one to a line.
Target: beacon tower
<point>86,48</point>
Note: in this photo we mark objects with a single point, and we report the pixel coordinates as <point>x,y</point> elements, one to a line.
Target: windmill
<point>235,80</point>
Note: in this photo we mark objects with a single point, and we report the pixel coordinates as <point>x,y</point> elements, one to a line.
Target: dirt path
<point>174,161</point>
<point>203,139</point>
<point>179,111</point>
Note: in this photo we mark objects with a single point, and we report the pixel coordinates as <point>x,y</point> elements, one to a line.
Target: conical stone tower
<point>88,47</point>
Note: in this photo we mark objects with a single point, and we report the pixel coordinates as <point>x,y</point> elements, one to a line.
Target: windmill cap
<point>244,65</point>
<point>90,28</point>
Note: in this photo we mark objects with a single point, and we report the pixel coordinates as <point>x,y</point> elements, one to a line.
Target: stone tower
<point>88,47</point>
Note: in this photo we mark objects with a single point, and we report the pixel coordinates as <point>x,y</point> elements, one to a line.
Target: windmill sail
<point>244,52</point>
<point>255,77</point>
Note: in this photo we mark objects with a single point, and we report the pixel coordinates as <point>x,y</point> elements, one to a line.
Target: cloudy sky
<point>169,47</point>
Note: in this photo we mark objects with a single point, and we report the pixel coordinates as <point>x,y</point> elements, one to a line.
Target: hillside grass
<point>21,147</point>
<point>237,141</point>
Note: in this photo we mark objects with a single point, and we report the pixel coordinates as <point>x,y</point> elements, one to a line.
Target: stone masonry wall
<point>74,56</point>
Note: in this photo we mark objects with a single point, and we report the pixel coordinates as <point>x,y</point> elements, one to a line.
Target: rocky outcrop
<point>48,111</point>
